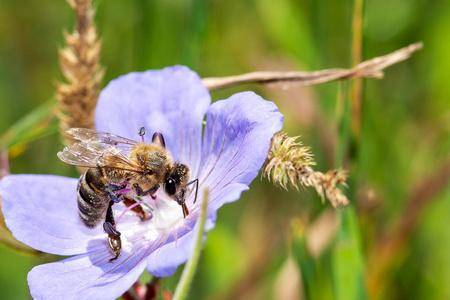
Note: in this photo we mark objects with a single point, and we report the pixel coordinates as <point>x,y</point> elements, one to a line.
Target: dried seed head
<point>285,156</point>
<point>79,62</point>
<point>290,162</point>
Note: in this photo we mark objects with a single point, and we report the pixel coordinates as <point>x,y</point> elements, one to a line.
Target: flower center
<point>167,214</point>
<point>166,217</point>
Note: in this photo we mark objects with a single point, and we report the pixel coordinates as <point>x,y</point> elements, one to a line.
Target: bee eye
<point>170,186</point>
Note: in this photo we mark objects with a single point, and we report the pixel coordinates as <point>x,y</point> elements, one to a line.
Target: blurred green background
<point>392,242</point>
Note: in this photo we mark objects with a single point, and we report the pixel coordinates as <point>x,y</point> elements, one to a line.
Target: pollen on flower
<point>289,161</point>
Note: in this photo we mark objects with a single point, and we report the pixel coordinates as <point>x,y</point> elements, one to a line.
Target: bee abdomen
<point>92,202</point>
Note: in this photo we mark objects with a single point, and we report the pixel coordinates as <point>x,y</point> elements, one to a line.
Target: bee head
<point>176,181</point>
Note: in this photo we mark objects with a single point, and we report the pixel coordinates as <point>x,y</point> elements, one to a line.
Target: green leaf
<point>38,123</point>
<point>191,266</point>
<point>348,266</point>
<point>314,271</point>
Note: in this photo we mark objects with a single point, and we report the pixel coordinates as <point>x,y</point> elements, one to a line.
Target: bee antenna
<point>142,133</point>
<point>195,181</point>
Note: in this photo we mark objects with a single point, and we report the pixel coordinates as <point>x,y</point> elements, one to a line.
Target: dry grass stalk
<point>4,163</point>
<point>370,69</point>
<point>290,162</point>
<point>79,62</point>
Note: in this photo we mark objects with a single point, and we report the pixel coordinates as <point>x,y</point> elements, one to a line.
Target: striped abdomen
<point>92,200</point>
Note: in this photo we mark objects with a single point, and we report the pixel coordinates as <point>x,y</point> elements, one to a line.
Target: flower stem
<point>356,92</point>
<point>191,266</point>
<point>347,258</point>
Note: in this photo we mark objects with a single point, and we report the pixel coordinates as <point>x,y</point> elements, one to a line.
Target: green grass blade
<point>191,266</point>
<point>314,271</point>
<point>348,266</point>
<point>36,124</point>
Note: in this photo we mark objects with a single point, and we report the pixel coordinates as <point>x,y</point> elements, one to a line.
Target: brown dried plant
<point>79,62</point>
<point>372,68</point>
<point>289,162</point>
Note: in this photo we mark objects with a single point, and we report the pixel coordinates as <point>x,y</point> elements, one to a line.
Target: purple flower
<point>41,210</point>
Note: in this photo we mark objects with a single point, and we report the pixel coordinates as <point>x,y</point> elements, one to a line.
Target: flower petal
<point>165,260</point>
<point>237,140</point>
<point>172,101</point>
<point>236,143</point>
<point>41,211</point>
<point>88,276</point>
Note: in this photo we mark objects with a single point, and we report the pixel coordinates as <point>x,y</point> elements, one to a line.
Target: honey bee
<point>120,168</point>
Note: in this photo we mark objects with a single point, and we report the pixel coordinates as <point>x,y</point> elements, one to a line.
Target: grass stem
<point>191,266</point>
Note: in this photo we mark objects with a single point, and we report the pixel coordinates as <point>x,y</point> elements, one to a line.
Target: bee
<point>120,168</point>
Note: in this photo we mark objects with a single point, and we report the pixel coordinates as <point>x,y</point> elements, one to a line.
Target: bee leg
<point>113,186</point>
<point>143,214</point>
<point>195,181</point>
<point>112,195</point>
<point>111,189</point>
<point>140,192</point>
<point>153,191</point>
<point>115,243</point>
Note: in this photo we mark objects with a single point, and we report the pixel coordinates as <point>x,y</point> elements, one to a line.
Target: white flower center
<point>167,216</point>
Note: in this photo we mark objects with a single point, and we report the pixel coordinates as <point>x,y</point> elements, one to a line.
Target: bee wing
<point>98,149</point>
<point>91,135</point>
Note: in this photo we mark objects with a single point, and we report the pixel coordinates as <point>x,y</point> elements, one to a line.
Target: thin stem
<point>370,68</point>
<point>356,91</point>
<point>342,120</point>
<point>191,266</point>
<point>348,262</point>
